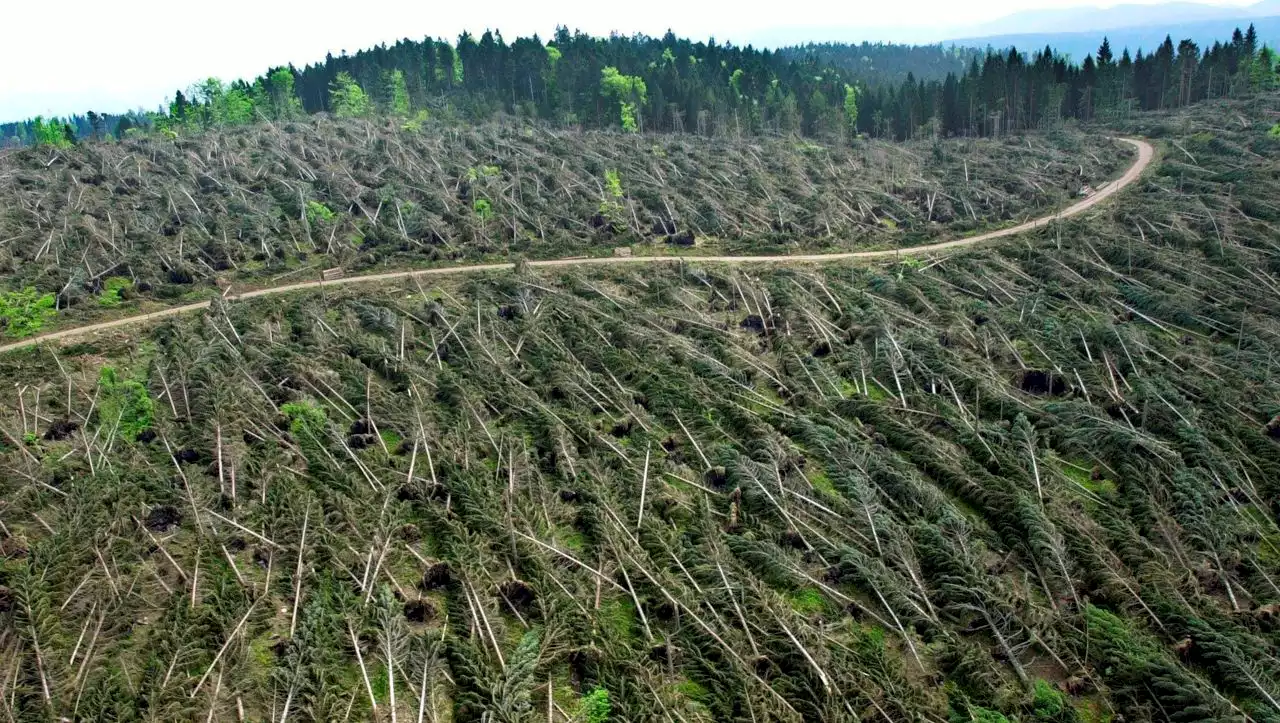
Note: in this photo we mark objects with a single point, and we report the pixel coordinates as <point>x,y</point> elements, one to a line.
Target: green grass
<point>1092,711</point>
<point>1269,543</point>
<point>808,601</point>
<point>573,540</point>
<point>691,689</point>
<point>822,483</point>
<point>696,695</point>
<point>390,438</point>
<point>877,392</point>
<point>1269,548</point>
<point>618,618</point>
<point>1082,476</point>
<point>113,290</point>
<point>260,652</point>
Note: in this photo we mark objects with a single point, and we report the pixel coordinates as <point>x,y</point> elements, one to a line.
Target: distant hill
<point>1082,19</point>
<point>1074,28</point>
<point>1081,43</point>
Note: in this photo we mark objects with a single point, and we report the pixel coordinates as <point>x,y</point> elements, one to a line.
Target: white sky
<point>112,56</point>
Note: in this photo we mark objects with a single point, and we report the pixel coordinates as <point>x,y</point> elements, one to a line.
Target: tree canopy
<point>642,83</point>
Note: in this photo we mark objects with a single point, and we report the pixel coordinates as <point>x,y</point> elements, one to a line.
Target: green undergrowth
<point>808,601</point>
<point>822,483</point>
<point>114,290</point>
<point>25,311</point>
<point>618,618</point>
<point>317,212</point>
<point>1084,477</point>
<point>126,406</point>
<point>594,706</point>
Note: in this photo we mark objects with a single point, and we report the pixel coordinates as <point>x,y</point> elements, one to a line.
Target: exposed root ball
<point>163,518</point>
<point>420,610</point>
<point>437,576</point>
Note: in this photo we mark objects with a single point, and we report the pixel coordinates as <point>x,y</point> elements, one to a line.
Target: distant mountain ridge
<point>1079,44</point>
<point>1085,19</point>
<point>1078,31</point>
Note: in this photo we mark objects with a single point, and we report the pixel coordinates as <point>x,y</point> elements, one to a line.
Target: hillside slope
<point>259,205</point>
<point>1033,482</point>
<point>328,280</point>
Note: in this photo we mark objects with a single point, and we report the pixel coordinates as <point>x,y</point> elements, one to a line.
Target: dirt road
<point>1145,153</point>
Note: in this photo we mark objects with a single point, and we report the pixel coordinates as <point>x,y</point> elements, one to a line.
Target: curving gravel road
<point>1145,153</point>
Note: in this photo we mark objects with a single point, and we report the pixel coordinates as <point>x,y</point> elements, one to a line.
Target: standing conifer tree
<point>396,93</point>
<point>851,110</point>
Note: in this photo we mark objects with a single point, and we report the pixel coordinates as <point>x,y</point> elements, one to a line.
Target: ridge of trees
<point>642,83</point>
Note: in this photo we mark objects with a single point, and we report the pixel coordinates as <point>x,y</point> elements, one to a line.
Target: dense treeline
<point>672,84</point>
<point>91,125</point>
<point>682,85</point>
<point>877,64</point>
<point>1011,91</point>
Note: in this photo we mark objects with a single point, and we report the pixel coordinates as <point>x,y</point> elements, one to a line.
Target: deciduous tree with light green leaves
<point>630,93</point>
<point>48,133</point>
<point>347,99</point>
<point>611,207</point>
<point>223,105</point>
<point>237,107</point>
<point>276,96</point>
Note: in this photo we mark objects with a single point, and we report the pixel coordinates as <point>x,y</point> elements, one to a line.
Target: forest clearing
<point>335,277</point>
<point>672,426</point>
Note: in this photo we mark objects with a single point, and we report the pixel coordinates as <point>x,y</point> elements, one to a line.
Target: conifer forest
<point>649,379</point>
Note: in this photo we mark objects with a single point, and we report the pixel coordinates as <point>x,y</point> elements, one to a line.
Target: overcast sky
<point>113,56</point>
